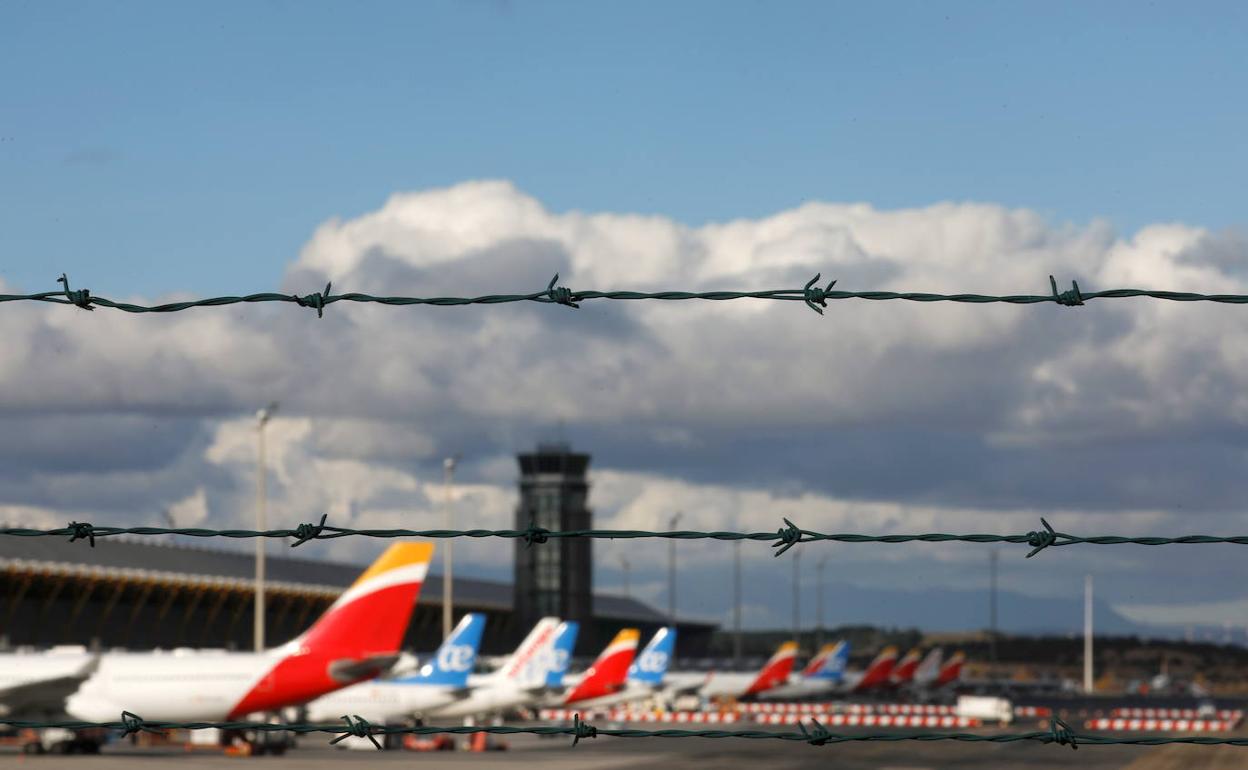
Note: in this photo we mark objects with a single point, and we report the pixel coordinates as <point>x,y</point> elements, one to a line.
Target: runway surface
<point>525,752</point>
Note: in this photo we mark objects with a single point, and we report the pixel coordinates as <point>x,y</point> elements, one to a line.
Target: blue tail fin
<point>651,664</point>
<point>561,649</point>
<point>833,668</point>
<point>453,662</point>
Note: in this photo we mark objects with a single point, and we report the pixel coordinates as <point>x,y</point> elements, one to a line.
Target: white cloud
<point>1123,415</point>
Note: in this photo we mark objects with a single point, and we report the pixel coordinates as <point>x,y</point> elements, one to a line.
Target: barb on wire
<point>133,723</point>
<point>818,734</point>
<point>782,539</point>
<point>305,532</point>
<point>360,728</point>
<point>582,729</point>
<point>813,296</point>
<point>314,300</point>
<point>81,297</point>
<point>1059,733</point>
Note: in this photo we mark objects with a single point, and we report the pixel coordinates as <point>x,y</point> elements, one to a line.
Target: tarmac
<point>525,752</point>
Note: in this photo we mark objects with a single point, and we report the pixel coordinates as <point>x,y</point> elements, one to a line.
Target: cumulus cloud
<point>1123,416</point>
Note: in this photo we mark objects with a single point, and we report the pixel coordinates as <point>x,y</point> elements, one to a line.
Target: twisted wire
<point>781,539</point>
<point>1058,733</point>
<point>813,296</point>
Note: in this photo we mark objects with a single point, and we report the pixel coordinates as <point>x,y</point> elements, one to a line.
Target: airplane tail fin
<point>903,672</point>
<point>776,670</point>
<point>527,666</point>
<point>880,668</point>
<point>952,670</point>
<point>561,652</point>
<point>929,669</point>
<point>358,637</point>
<point>607,674</point>
<point>453,661</point>
<point>816,662</point>
<point>369,619</point>
<point>832,667</point>
<point>651,664</point>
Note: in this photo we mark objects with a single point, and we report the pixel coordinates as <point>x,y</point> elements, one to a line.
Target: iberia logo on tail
<point>357,638</point>
<point>777,669</point>
<point>608,672</point>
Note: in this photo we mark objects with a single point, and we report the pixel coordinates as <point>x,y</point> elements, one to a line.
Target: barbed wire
<point>815,297</point>
<point>815,734</point>
<point>782,539</point>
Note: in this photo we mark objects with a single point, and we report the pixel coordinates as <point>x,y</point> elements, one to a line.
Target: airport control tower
<point>556,577</point>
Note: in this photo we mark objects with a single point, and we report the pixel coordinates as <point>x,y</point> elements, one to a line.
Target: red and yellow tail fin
<point>608,672</point>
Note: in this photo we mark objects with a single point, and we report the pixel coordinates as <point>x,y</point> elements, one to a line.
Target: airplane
<point>357,638</point>
<point>561,653</point>
<point>929,669</point>
<point>441,681</point>
<point>606,676</point>
<point>822,675</point>
<point>645,675</point>
<point>522,678</point>
<point>874,676</point>
<point>903,673</point>
<point>951,672</point>
<point>732,684</point>
<point>37,684</point>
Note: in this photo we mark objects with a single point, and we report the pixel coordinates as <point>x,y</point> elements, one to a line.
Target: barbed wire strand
<point>782,539</point>
<point>816,734</point>
<point>815,297</point>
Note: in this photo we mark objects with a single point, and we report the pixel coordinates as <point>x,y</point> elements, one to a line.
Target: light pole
<point>1088,683</point>
<point>671,571</point>
<point>823,562</point>
<point>736,608</point>
<point>624,563</point>
<point>262,418</point>
<point>992,608</point>
<point>797,606</point>
<point>448,476</point>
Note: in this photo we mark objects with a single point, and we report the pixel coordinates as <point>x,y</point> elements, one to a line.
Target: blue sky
<point>154,147</point>
<point>215,148</point>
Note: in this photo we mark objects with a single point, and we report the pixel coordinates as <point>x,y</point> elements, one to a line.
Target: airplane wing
<point>686,683</point>
<point>45,696</point>
<point>350,669</point>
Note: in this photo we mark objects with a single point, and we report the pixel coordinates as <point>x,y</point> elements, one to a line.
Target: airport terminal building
<point>145,593</point>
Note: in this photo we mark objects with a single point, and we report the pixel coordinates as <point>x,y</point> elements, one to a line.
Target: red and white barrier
<point>1227,715</point>
<point>785,708</point>
<point>926,709</point>
<point>1162,725</point>
<point>622,715</point>
<point>869,720</point>
<point>1027,712</point>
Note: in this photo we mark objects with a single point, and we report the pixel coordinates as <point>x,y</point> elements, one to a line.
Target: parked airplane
<point>561,653</point>
<point>36,685</point>
<point>875,675</point>
<point>732,684</point>
<point>903,672</point>
<point>606,675</point>
<point>357,638</point>
<point>441,681</point>
<point>822,675</point>
<point>951,672</point>
<point>929,669</point>
<point>519,681</point>
<point>645,675</point>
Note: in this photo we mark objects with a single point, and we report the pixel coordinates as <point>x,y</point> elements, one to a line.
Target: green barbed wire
<point>815,297</point>
<point>816,735</point>
<point>781,539</point>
